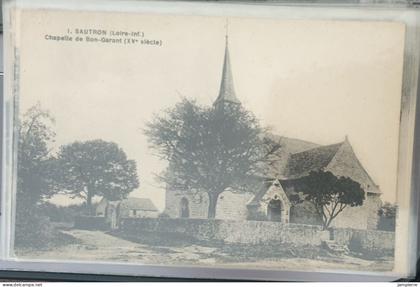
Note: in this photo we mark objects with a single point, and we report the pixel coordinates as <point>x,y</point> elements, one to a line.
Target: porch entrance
<point>274,210</point>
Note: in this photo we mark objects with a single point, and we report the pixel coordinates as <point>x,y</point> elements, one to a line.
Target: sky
<point>313,80</point>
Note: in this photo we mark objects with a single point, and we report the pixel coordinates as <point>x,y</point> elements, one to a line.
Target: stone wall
<point>360,217</point>
<point>345,163</point>
<point>233,205</point>
<point>244,232</point>
<point>372,241</point>
<point>197,203</point>
<point>261,232</point>
<point>258,232</point>
<point>373,204</point>
<point>139,213</point>
<point>230,205</point>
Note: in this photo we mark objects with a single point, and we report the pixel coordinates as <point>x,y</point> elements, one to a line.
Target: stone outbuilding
<point>131,207</point>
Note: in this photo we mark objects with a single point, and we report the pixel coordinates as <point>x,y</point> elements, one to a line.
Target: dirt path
<point>99,246</point>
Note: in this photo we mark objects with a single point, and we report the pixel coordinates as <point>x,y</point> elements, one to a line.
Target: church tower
<point>227,94</point>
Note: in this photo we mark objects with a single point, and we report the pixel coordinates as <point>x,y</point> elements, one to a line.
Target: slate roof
<point>292,145</point>
<point>287,146</point>
<point>227,90</point>
<point>138,204</point>
<point>300,164</point>
<point>338,158</point>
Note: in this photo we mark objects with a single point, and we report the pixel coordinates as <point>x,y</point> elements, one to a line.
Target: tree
<point>330,195</point>
<point>35,177</point>
<point>35,172</point>
<point>209,150</point>
<point>96,167</point>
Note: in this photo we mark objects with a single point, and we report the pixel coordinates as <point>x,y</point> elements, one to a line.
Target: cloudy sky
<point>313,80</point>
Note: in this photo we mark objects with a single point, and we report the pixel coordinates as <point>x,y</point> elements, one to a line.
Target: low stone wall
<point>261,232</point>
<point>366,240</point>
<point>91,223</point>
<point>244,232</point>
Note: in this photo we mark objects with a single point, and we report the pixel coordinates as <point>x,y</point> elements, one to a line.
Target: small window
<point>134,212</point>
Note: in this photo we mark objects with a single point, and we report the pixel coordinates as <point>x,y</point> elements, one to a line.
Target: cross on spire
<point>227,30</point>
<point>227,90</point>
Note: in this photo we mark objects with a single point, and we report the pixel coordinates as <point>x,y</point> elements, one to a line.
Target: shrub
<point>32,230</point>
<point>65,214</point>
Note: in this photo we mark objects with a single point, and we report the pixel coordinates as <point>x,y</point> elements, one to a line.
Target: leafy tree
<point>209,150</point>
<point>330,195</point>
<point>387,217</point>
<point>35,163</point>
<point>96,167</point>
<point>35,177</point>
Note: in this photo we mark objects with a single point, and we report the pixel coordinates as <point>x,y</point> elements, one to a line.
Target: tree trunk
<point>333,215</point>
<point>212,205</point>
<point>325,225</point>
<point>327,222</point>
<point>89,203</point>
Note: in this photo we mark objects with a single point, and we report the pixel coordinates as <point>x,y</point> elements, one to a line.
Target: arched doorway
<point>185,208</point>
<point>274,209</point>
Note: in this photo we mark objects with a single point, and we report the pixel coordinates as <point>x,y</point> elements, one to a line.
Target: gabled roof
<point>273,187</point>
<point>292,145</point>
<point>339,159</point>
<point>300,164</point>
<point>345,163</point>
<point>259,195</point>
<point>138,204</point>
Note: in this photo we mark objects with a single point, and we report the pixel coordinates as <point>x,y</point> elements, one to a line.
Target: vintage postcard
<point>207,141</point>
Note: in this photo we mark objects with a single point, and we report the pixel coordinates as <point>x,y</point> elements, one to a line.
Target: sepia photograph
<point>207,141</point>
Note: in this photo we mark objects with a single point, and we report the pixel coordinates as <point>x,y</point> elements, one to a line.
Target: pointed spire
<point>227,90</point>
